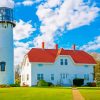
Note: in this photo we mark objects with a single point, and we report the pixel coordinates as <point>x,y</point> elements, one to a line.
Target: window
<point>66,62</point>
<point>27,77</point>
<point>52,77</point>
<point>86,76</point>
<point>40,65</point>
<point>66,75</point>
<point>2,65</point>
<point>61,61</point>
<point>7,14</point>
<point>40,77</point>
<point>63,76</point>
<point>85,65</point>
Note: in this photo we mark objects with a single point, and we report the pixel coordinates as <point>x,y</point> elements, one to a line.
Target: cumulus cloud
<point>92,45</point>
<point>7,3</point>
<point>28,2</point>
<point>23,30</point>
<point>47,38</point>
<point>61,15</point>
<point>20,50</point>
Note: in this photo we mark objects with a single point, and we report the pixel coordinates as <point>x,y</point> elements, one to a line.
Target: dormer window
<point>2,66</point>
<point>61,61</point>
<point>66,63</point>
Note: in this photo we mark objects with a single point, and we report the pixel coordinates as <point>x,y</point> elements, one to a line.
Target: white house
<point>58,66</point>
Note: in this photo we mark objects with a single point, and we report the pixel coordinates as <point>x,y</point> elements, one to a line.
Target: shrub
<point>50,84</point>
<point>14,85</point>
<point>78,82</point>
<point>4,86</point>
<point>42,83</point>
<point>98,83</point>
<point>91,84</point>
<point>58,85</point>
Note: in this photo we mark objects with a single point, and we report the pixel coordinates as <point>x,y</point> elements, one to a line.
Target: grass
<point>90,93</point>
<point>35,93</point>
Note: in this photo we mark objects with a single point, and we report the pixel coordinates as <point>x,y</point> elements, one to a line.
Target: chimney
<point>56,46</point>
<point>74,47</point>
<point>43,45</point>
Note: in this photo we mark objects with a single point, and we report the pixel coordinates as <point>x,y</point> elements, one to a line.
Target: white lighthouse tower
<point>6,46</point>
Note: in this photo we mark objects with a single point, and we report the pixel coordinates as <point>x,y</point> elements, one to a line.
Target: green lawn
<point>35,94</point>
<point>90,93</point>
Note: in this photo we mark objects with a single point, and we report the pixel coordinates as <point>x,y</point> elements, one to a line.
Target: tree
<point>17,74</point>
<point>97,71</point>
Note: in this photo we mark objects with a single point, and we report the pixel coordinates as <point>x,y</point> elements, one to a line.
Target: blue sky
<point>65,22</point>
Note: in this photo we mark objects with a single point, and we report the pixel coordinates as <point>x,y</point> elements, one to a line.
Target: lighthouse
<point>6,46</point>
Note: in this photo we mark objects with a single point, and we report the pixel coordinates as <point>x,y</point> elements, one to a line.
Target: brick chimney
<point>74,47</point>
<point>43,44</point>
<point>56,46</point>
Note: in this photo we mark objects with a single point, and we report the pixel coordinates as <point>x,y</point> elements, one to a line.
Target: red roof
<point>49,55</point>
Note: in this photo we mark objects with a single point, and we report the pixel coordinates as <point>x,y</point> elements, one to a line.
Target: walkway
<point>76,94</point>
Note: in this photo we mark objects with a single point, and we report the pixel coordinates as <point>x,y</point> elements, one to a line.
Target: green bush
<point>78,82</point>
<point>91,84</point>
<point>98,83</point>
<point>14,85</point>
<point>41,83</point>
<point>4,86</point>
<point>50,84</point>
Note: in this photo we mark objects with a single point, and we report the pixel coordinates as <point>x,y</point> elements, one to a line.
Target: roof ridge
<point>50,55</point>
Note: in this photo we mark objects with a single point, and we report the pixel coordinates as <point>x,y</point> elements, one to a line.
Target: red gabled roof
<point>42,55</point>
<point>49,55</point>
<point>79,56</point>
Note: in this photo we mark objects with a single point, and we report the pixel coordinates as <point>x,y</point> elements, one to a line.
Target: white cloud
<point>20,51</point>
<point>47,38</point>
<point>27,2</point>
<point>7,3</point>
<point>53,3</point>
<point>23,30</point>
<point>60,15</point>
<point>92,45</point>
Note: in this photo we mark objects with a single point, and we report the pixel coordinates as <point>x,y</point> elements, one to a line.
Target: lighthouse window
<point>2,65</point>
